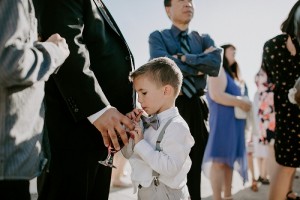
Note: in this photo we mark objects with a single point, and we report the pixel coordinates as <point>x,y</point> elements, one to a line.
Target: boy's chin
<point>150,113</point>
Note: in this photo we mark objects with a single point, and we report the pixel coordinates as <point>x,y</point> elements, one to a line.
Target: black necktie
<point>150,121</point>
<point>185,49</point>
<point>188,84</point>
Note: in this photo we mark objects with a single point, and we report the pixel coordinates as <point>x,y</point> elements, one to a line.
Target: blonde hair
<point>163,71</point>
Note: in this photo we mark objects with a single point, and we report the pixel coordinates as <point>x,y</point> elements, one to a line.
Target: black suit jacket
<point>93,76</point>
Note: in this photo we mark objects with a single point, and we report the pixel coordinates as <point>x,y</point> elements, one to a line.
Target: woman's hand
<point>244,104</point>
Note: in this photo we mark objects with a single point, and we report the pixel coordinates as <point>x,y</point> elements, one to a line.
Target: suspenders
<point>157,148</point>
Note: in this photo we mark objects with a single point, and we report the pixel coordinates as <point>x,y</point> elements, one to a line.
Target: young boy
<point>160,159</point>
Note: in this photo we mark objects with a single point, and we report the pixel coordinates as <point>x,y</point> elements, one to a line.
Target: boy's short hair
<point>167,3</point>
<point>163,71</point>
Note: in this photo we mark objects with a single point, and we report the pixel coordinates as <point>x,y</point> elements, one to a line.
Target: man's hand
<point>210,49</point>
<point>111,123</point>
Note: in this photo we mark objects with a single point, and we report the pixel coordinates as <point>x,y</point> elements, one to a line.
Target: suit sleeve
<point>75,80</point>
<point>22,60</point>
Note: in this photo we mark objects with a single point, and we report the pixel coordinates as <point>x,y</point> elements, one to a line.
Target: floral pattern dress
<point>266,111</point>
<point>283,69</point>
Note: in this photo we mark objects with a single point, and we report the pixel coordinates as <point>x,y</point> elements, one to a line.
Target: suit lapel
<point>104,13</point>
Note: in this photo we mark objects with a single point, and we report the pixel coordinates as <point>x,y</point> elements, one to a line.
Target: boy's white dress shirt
<point>173,162</point>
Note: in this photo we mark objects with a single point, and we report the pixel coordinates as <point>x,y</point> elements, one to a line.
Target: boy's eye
<point>144,93</point>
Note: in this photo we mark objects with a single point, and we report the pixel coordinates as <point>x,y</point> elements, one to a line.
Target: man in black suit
<point>87,95</point>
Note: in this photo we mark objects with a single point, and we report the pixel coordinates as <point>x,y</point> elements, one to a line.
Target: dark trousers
<point>75,175</point>
<point>14,190</point>
<point>195,111</point>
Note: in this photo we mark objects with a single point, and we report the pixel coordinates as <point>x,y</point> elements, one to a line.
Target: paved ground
<point>240,192</point>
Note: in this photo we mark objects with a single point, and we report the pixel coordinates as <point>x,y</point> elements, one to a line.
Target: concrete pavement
<point>239,191</point>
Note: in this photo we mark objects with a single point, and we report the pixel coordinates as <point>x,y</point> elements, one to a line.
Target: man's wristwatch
<point>179,55</point>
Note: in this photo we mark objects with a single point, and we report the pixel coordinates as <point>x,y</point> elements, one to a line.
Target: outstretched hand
<point>111,124</point>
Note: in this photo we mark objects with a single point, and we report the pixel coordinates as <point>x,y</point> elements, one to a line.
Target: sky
<point>247,24</point>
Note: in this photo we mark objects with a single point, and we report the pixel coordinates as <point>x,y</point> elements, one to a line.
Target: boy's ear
<point>168,90</point>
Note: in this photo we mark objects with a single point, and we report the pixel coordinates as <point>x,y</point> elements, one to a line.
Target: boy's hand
<point>135,114</point>
<point>137,133</point>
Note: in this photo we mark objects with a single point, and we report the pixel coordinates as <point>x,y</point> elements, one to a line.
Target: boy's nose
<point>139,100</point>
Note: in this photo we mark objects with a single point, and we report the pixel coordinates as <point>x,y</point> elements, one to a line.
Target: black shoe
<point>259,179</point>
<point>263,181</point>
<point>290,198</point>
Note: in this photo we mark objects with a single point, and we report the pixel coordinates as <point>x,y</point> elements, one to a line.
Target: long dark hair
<point>288,25</point>
<point>234,69</point>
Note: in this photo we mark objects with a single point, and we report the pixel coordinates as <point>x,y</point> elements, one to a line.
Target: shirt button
<point>76,110</point>
<point>127,57</point>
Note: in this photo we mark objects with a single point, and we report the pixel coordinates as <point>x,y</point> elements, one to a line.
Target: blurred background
<point>247,24</point>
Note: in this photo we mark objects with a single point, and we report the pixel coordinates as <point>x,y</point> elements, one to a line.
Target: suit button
<point>76,110</point>
<point>127,57</point>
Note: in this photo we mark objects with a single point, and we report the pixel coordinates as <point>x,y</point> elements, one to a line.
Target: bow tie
<point>150,121</point>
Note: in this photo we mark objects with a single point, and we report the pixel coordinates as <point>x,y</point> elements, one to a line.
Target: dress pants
<point>195,112</point>
<point>162,192</point>
<point>75,175</point>
<point>14,190</point>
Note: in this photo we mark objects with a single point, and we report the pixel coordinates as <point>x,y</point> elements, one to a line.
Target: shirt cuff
<point>95,116</point>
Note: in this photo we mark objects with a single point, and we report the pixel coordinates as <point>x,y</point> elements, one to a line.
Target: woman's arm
<point>216,88</point>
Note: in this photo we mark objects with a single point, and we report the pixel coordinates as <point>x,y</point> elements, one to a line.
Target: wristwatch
<point>179,55</point>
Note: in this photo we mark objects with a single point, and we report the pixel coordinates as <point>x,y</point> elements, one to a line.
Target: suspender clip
<point>156,181</point>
